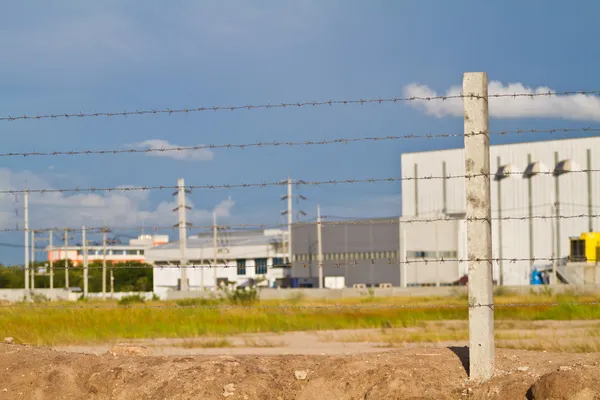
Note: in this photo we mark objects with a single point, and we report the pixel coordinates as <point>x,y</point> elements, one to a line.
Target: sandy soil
<point>28,372</point>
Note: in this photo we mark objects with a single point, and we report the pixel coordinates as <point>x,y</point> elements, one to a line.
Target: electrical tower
<point>289,212</point>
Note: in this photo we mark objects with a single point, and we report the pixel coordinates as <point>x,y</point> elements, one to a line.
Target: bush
<point>136,298</point>
<point>242,296</point>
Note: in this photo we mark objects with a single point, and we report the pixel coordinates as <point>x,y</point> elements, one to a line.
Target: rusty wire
<point>272,183</point>
<point>295,307</point>
<point>170,111</point>
<point>207,264</point>
<point>286,143</point>
<point>324,222</point>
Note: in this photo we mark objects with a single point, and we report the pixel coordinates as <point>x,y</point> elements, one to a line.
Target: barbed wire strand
<point>379,221</point>
<point>286,143</point>
<point>296,306</point>
<point>170,111</point>
<point>335,263</point>
<point>272,183</point>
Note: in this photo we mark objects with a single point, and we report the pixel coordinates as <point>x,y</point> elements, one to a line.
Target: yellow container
<point>592,245</point>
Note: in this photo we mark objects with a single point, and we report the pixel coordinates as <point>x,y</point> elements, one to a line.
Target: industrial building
<point>427,244</point>
<point>121,253</point>
<point>381,252</point>
<point>243,258</point>
<point>531,181</point>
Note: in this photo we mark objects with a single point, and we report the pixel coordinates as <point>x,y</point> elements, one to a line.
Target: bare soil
<point>28,372</point>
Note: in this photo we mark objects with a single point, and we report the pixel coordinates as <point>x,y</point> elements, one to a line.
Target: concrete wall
<point>426,196</point>
<point>332,294</point>
<point>13,295</point>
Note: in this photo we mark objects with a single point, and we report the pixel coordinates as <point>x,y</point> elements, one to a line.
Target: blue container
<point>294,283</point>
<point>536,278</point>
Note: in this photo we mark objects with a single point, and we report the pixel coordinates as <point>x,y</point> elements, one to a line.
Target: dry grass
<point>87,325</point>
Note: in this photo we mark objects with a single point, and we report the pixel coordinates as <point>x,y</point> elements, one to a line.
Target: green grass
<point>54,326</point>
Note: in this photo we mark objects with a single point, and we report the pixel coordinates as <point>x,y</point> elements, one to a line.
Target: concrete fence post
<point>479,227</point>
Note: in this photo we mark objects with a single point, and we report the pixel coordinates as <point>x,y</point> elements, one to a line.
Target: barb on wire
<point>285,143</point>
<point>315,307</point>
<point>170,111</point>
<point>324,222</point>
<point>269,184</point>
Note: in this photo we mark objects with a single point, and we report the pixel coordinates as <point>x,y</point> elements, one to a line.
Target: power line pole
<point>51,257</point>
<point>320,246</point>
<point>85,263</point>
<point>26,217</point>
<point>66,259</point>
<point>215,248</point>
<point>290,214</point>
<point>33,259</point>
<point>181,207</point>
<point>104,230</point>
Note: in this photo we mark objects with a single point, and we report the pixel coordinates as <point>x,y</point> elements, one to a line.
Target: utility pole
<point>104,230</point>
<point>290,214</point>
<point>181,207</point>
<point>66,259</point>
<point>51,257</point>
<point>320,246</point>
<point>26,216</point>
<point>85,263</point>
<point>215,248</point>
<point>33,259</point>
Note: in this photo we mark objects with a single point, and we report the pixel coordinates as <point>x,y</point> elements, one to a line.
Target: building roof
<point>230,238</point>
<point>526,143</point>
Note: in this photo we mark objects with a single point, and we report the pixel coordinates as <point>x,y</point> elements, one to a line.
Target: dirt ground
<point>28,372</point>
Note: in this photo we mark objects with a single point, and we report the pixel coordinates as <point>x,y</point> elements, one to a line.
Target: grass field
<point>103,321</point>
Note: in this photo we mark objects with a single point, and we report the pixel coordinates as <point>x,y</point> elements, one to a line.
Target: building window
<point>131,252</point>
<point>141,252</point>
<point>261,266</point>
<point>241,267</point>
<point>277,261</point>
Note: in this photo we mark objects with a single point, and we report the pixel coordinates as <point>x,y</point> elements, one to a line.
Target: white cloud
<point>122,209</point>
<point>188,155</point>
<point>573,107</point>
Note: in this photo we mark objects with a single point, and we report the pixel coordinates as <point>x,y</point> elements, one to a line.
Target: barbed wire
<point>324,222</point>
<point>286,143</point>
<point>305,264</point>
<point>272,183</point>
<point>380,100</point>
<point>298,306</point>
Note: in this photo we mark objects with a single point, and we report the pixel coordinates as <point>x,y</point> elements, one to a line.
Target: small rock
<point>9,340</point>
<point>228,390</point>
<point>229,387</point>
<point>523,369</point>
<point>300,375</point>
<point>565,368</point>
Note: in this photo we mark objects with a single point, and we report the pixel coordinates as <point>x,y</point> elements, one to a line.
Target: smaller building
<point>243,258</point>
<point>133,252</point>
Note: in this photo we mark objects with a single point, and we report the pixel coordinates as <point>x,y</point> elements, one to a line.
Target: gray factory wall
<point>348,250</point>
<point>431,242</point>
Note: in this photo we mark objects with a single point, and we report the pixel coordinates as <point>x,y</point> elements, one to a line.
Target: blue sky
<point>72,56</point>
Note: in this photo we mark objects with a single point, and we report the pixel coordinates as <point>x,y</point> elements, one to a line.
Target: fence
<point>474,243</point>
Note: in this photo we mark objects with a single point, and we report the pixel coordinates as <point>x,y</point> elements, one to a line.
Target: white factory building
<point>534,180</point>
<point>243,258</point>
